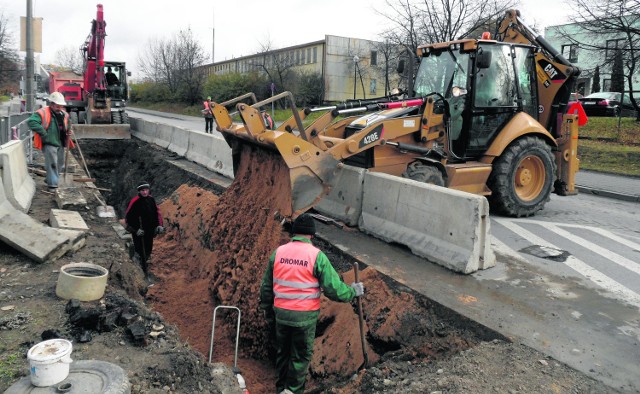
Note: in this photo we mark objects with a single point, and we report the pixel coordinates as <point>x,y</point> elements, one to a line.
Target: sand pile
<point>215,252</point>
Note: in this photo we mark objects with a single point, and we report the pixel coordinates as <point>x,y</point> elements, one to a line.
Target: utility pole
<point>355,74</point>
<point>29,59</point>
<point>213,36</point>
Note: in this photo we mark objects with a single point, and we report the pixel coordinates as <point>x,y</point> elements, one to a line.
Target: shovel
<point>66,180</point>
<point>365,364</point>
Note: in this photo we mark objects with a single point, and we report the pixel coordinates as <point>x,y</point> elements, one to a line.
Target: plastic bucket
<point>49,362</point>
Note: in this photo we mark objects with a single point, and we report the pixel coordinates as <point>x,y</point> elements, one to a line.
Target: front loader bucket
<point>312,173</point>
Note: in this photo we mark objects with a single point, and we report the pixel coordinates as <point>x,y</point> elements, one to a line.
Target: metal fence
<point>14,127</point>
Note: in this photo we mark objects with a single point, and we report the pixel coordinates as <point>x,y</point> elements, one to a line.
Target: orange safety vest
<point>294,286</point>
<point>46,121</point>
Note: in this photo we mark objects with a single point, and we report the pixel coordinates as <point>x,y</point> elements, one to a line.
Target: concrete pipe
<point>82,281</point>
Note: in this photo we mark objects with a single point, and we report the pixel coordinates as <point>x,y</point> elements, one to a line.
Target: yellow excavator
<point>486,116</point>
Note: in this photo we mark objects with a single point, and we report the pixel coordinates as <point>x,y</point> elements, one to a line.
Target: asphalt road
<point>567,281</point>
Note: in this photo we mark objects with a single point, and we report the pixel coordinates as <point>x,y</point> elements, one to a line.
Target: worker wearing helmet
<point>208,115</point>
<point>144,222</point>
<point>290,292</point>
<point>52,133</point>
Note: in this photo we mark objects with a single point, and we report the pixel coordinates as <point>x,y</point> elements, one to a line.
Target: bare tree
<point>606,28</point>
<point>425,21</point>
<point>277,65</point>
<point>387,62</point>
<point>70,58</point>
<point>190,56</point>
<point>9,73</point>
<point>176,63</point>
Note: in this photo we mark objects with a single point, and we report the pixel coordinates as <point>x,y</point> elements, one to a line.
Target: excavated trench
<point>214,252</point>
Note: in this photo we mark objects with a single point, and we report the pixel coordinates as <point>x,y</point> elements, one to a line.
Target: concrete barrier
<point>344,202</point>
<point>164,135</point>
<point>17,183</point>
<point>102,131</point>
<point>448,227</point>
<point>210,151</point>
<point>32,238</point>
<point>146,131</point>
<point>179,138</point>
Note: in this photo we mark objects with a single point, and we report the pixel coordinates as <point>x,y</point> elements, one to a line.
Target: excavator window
<point>506,86</point>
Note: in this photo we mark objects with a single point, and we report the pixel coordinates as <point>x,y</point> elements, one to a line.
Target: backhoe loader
<point>486,116</point>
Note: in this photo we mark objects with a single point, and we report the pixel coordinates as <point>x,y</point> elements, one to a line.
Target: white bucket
<point>49,362</point>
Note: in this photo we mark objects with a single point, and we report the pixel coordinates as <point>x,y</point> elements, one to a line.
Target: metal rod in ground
<point>365,364</point>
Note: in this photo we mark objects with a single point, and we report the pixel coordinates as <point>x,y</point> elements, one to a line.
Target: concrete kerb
<point>344,202</point>
<point>210,151</point>
<point>18,185</point>
<point>448,227</point>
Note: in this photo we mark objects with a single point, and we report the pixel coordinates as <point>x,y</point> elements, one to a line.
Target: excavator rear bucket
<point>312,171</point>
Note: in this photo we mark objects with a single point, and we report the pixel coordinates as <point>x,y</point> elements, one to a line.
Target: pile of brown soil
<point>215,252</point>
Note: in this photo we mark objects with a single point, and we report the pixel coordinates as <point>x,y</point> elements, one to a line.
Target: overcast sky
<point>240,27</point>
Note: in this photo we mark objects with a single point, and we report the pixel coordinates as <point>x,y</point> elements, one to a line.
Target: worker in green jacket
<point>290,292</point>
<point>52,130</point>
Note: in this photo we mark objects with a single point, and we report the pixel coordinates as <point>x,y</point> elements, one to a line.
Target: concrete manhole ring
<point>82,281</point>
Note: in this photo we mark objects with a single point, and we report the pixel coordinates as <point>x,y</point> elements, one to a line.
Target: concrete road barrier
<point>102,131</point>
<point>179,138</point>
<point>17,183</point>
<point>344,202</point>
<point>210,151</point>
<point>448,227</point>
<point>32,238</point>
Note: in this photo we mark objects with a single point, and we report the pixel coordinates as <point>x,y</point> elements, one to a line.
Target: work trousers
<point>53,162</point>
<point>294,348</point>
<point>143,247</point>
<point>208,125</point>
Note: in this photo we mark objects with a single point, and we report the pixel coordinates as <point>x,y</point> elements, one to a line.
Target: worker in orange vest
<point>208,115</point>
<point>52,130</point>
<point>290,293</point>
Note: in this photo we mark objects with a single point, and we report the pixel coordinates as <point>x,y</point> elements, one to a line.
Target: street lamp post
<point>356,59</point>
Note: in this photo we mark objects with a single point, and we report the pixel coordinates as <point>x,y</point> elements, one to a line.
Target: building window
<point>613,46</point>
<point>374,58</point>
<point>606,85</point>
<point>570,52</point>
<point>315,54</point>
<point>297,57</point>
<point>308,55</point>
<point>372,86</point>
<point>302,57</point>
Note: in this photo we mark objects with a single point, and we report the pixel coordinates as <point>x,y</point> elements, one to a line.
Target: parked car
<point>606,104</point>
<point>575,97</point>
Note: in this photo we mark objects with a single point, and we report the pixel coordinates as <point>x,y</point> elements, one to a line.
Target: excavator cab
<point>481,88</point>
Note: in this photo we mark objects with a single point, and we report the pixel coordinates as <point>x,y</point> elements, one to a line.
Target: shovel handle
<point>361,320</point>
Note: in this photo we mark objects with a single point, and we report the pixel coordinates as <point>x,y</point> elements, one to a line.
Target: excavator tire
<point>73,116</point>
<point>125,118</point>
<point>522,178</point>
<point>421,172</point>
<point>115,118</point>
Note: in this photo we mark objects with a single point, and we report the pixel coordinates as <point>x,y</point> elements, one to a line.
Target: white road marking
<point>607,254</point>
<point>579,266</point>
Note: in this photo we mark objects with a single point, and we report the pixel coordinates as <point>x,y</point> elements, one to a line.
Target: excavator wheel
<point>73,117</point>
<point>115,118</point>
<point>522,178</point>
<point>418,171</point>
